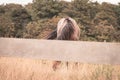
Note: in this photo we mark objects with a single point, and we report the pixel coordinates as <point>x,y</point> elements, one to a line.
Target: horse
<point>67,29</point>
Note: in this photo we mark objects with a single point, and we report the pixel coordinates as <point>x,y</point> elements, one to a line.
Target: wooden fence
<point>76,51</point>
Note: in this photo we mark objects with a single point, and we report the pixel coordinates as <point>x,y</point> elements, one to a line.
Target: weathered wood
<point>76,51</point>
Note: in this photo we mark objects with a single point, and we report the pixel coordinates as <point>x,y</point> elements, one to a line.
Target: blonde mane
<point>67,29</point>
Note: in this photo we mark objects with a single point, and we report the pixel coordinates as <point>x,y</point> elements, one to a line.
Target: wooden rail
<point>76,51</point>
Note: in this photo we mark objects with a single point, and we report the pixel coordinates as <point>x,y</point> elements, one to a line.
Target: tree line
<point>98,22</point>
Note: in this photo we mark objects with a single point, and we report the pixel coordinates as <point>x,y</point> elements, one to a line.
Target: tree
<point>46,8</point>
<point>7,28</point>
<point>20,17</point>
<point>106,13</point>
<point>40,28</point>
<point>32,30</point>
<point>117,11</point>
<point>2,10</point>
<point>13,19</point>
<point>85,11</point>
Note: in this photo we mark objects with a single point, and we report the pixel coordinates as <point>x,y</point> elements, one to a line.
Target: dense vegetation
<point>98,22</point>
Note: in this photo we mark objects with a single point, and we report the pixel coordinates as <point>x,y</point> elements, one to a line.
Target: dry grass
<point>28,69</point>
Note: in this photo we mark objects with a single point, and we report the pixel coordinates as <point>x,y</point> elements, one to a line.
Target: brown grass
<point>29,69</point>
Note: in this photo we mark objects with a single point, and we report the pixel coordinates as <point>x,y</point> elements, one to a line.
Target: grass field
<point>29,69</point>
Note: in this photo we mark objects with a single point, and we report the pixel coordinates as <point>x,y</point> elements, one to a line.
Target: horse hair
<point>52,35</point>
<point>67,31</point>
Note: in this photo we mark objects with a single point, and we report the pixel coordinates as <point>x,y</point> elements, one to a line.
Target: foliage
<point>39,29</point>
<point>98,22</point>
<point>46,8</point>
<point>13,18</point>
<point>117,11</point>
<point>6,27</point>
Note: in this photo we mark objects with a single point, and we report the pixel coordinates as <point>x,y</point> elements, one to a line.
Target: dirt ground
<point>29,69</point>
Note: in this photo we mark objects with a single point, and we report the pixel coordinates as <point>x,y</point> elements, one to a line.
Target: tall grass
<point>29,69</point>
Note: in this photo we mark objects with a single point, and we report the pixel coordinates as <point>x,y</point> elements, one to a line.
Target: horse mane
<point>52,35</point>
<point>67,31</point>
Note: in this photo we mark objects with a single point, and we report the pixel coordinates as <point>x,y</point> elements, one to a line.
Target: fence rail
<point>76,51</point>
